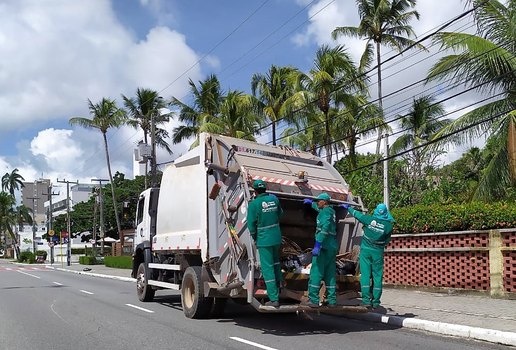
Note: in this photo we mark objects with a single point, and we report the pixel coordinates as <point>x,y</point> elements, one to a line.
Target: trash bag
<point>290,264</point>
<point>346,267</point>
<point>305,258</point>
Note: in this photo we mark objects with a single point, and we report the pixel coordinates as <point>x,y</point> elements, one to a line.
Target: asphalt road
<point>46,309</point>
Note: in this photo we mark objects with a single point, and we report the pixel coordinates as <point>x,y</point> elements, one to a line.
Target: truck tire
<point>195,305</point>
<point>144,291</point>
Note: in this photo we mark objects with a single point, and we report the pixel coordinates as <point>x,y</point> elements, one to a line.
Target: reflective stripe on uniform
<point>266,227</point>
<point>328,233</point>
<point>269,281</point>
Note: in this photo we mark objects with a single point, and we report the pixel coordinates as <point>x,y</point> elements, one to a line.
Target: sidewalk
<point>465,316</point>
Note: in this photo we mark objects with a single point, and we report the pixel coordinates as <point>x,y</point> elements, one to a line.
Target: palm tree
<point>8,218</point>
<point>422,123</point>
<point>334,72</point>
<point>382,22</point>
<point>238,117</point>
<point>275,92</point>
<point>207,99</point>
<point>486,60</point>
<point>142,110</point>
<point>105,115</point>
<point>306,134</point>
<point>12,181</point>
<point>357,119</point>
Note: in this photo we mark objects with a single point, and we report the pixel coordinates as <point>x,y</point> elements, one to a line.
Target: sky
<point>57,54</point>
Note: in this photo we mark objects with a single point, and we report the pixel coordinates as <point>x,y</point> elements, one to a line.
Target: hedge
<point>454,217</point>
<point>87,260</point>
<point>27,257</point>
<point>121,262</point>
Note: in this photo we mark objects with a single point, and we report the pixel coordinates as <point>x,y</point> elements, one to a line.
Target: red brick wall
<point>449,260</point>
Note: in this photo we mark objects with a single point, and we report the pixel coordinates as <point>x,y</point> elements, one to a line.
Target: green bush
<point>454,217</point>
<point>87,260</point>
<point>41,253</point>
<point>121,262</point>
<point>26,257</point>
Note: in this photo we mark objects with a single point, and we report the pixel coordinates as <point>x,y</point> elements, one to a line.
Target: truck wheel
<point>195,305</point>
<point>144,291</point>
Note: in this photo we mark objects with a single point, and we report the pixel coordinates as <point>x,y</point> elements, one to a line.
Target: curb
<point>120,278</point>
<point>476,333</point>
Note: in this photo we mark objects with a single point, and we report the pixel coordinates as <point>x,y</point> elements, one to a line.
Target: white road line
<point>29,274</point>
<point>85,291</point>
<point>252,343</point>
<point>8,269</point>
<point>57,283</point>
<point>140,308</point>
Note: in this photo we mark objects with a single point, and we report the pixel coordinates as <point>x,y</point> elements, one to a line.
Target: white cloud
<point>57,54</point>
<point>163,58</point>
<point>58,149</point>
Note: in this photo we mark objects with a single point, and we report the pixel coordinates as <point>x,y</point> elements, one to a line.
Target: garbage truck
<point>192,235</point>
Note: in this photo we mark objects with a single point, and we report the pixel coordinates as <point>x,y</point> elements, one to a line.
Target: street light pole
<point>50,221</point>
<point>33,224</point>
<point>153,151</point>
<point>101,204</point>
<point>386,192</point>
<point>68,225</point>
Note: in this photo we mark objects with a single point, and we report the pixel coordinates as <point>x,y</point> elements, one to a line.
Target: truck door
<point>146,217</point>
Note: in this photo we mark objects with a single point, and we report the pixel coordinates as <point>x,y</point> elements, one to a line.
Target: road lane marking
<point>140,308</point>
<point>28,274</point>
<point>252,343</point>
<point>57,283</point>
<point>85,291</point>
<point>55,312</point>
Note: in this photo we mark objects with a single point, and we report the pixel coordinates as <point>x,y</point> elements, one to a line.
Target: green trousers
<point>271,270</point>
<point>323,269</point>
<point>371,265</point>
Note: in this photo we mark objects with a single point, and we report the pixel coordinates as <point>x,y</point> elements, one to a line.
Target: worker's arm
<point>358,215</point>
<point>252,220</point>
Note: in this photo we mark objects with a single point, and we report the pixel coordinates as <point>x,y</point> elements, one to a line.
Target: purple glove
<point>344,205</point>
<point>317,249</point>
<point>307,201</point>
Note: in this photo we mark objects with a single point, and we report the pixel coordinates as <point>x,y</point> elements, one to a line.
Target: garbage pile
<point>296,260</point>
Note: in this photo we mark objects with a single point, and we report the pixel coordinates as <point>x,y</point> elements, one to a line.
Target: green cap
<point>323,197</point>
<point>259,184</point>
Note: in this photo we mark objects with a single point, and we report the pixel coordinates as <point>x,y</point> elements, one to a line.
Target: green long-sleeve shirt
<point>326,230</point>
<point>263,216</point>
<point>377,232</point>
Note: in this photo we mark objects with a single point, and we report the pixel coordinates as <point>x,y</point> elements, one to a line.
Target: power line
<point>415,44</point>
<point>437,139</point>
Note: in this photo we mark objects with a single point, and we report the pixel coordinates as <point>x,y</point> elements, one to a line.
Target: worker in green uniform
<point>324,252</point>
<point>377,234</point>
<point>263,217</point>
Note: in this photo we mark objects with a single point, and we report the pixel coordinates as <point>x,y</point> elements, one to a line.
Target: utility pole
<point>50,221</point>
<point>153,152</point>
<point>101,204</point>
<point>33,224</point>
<point>386,192</point>
<point>95,207</point>
<point>68,226</point>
